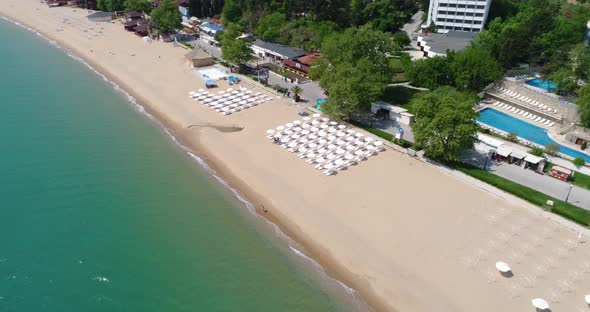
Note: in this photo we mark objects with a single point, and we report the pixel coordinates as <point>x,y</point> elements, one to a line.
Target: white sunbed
<point>551,124</point>
<point>547,122</point>
<point>521,113</point>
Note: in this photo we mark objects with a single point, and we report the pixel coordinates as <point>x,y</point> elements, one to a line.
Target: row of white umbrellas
<point>229,101</point>
<point>324,143</point>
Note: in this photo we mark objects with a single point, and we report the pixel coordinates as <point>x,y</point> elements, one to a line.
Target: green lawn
<point>562,208</point>
<point>400,96</point>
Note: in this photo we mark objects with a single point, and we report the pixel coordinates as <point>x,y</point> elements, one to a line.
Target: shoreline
<point>224,178</point>
<point>406,235</point>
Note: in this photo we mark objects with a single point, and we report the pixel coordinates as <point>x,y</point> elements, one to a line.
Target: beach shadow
<point>542,310</point>
<point>224,129</point>
<point>508,274</point>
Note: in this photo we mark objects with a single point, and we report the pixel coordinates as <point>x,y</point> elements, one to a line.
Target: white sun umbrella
<point>349,139</point>
<point>280,128</point>
<point>332,147</point>
<point>312,136</point>
<point>226,95</point>
<point>371,147</point>
<point>243,102</point>
<point>315,122</point>
<point>248,91</point>
<point>234,92</point>
<point>316,115</point>
<point>314,129</point>
<point>331,156</point>
<point>332,130</point>
<point>221,92</point>
<point>322,151</point>
<point>349,157</point>
<point>503,267</point>
<point>325,119</point>
<point>229,89</point>
<point>340,142</point>
<point>324,126</point>
<point>323,134</point>
<point>251,100</point>
<point>312,145</point>
<point>320,160</point>
<point>340,151</point>
<point>295,136</point>
<point>587,298</point>
<point>333,123</point>
<point>328,166</point>
<point>359,152</point>
<point>258,93</point>
<point>359,135</point>
<point>207,100</point>
<point>377,143</point>
<point>303,140</point>
<point>217,97</point>
<point>305,126</point>
<point>289,125</point>
<point>322,141</point>
<point>350,147</point>
<point>341,134</point>
<point>339,162</point>
<point>306,118</point>
<point>270,131</point>
<point>359,143</point>
<point>341,127</point>
<point>200,90</point>
<point>540,304</point>
<point>297,129</point>
<point>297,122</point>
<point>368,139</point>
<point>305,132</point>
<point>292,144</point>
<point>285,140</point>
<point>192,92</point>
<point>331,138</point>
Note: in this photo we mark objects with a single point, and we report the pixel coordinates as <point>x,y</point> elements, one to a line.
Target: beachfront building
<point>208,31</point>
<point>276,51</point>
<point>301,65</point>
<point>464,15</point>
<point>436,44</point>
<point>391,112</point>
<point>198,58</point>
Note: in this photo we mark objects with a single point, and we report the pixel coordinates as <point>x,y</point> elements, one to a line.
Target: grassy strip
<point>562,208</point>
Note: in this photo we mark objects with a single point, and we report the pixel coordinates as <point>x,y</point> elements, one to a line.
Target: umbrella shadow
<point>508,274</point>
<point>542,310</point>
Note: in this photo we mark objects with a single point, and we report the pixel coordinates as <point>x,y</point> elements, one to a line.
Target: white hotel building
<point>459,15</point>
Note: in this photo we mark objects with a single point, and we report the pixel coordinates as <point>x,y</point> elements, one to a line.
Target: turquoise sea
<point>101,211</point>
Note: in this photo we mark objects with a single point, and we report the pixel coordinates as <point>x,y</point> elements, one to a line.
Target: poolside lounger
<point>521,113</point>
<point>547,122</point>
<point>551,124</point>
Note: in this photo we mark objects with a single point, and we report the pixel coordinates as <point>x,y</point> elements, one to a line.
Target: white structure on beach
<point>464,15</point>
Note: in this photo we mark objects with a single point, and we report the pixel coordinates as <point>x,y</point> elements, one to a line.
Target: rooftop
<point>453,40</point>
<point>284,50</point>
<point>308,59</point>
<point>213,27</point>
<point>197,54</point>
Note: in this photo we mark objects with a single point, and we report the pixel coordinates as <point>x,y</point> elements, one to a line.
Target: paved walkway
<point>543,183</point>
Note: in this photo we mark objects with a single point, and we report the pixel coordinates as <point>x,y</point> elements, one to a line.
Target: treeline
<point>305,23</point>
<point>547,34</point>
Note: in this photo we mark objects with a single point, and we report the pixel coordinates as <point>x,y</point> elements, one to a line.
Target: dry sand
<point>407,235</point>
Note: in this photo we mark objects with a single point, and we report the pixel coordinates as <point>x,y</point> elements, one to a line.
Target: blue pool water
<point>543,84</point>
<point>524,130</point>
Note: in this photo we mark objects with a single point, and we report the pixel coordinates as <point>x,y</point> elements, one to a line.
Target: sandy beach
<point>405,234</point>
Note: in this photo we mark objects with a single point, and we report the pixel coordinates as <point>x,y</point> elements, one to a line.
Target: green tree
<point>231,12</point>
<point>234,49</point>
<point>552,149</point>
<point>110,5</point>
<point>537,151</point>
<point>269,27</point>
<point>166,16</point>
<point>565,79</point>
<point>474,68</point>
<point>138,5</point>
<point>401,39</point>
<point>354,70</point>
<point>583,102</point>
<point>579,162</point>
<point>432,72</point>
<point>296,90</point>
<point>445,123</point>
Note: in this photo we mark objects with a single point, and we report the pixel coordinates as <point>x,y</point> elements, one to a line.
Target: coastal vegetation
<point>110,5</point>
<point>166,16</point>
<point>354,70</point>
<point>583,102</point>
<point>445,123</point>
<point>233,48</point>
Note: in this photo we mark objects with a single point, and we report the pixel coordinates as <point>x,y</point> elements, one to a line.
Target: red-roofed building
<point>309,58</point>
<point>302,64</point>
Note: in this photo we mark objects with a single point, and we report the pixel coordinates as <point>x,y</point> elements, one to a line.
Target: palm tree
<point>296,92</point>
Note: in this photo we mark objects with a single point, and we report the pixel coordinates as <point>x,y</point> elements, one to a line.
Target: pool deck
<point>555,128</point>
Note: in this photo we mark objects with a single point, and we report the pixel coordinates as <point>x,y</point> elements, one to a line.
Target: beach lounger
<point>551,124</point>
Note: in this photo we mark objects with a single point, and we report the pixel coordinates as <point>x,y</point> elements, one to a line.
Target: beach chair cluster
<point>325,144</point>
<point>528,101</point>
<point>524,114</point>
<point>229,101</point>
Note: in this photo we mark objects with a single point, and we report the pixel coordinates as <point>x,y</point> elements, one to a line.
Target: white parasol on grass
<point>540,304</point>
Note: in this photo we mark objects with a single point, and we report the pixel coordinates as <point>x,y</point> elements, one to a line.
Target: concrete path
<point>413,24</point>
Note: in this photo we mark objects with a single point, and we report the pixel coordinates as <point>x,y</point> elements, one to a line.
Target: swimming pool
<point>524,130</point>
<point>542,84</point>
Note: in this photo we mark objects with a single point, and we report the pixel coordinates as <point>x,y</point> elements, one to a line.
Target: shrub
<point>403,143</point>
<point>552,149</point>
<point>579,162</point>
<point>584,145</point>
<point>512,137</point>
<point>537,151</point>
